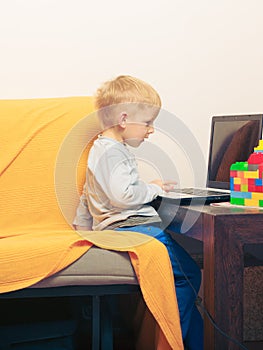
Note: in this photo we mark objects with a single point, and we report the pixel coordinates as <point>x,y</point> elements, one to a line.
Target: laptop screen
<point>232,139</point>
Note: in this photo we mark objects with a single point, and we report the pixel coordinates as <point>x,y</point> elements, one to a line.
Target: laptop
<point>232,139</point>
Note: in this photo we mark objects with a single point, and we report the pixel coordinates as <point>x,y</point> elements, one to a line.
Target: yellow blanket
<point>42,143</point>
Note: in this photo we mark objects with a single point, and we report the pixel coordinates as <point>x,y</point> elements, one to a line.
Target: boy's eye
<point>148,124</point>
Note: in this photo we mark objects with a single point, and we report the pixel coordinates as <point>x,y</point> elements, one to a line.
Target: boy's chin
<point>134,142</point>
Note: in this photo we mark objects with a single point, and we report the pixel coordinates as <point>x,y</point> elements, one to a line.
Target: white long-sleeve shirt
<point>113,190</point>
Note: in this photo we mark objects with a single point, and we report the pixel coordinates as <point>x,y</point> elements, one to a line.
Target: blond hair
<point>122,90</point>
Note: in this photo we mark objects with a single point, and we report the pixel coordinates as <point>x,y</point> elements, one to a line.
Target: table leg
<point>223,283</point>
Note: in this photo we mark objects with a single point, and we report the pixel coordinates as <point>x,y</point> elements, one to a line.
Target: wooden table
<point>224,232</point>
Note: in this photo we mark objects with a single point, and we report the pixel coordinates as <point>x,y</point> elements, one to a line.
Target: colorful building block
<point>259,148</point>
<point>246,180</point>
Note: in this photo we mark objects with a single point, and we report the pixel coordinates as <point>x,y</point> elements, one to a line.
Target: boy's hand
<point>166,186</point>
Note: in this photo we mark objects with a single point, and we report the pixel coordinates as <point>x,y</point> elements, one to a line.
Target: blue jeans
<point>187,276</point>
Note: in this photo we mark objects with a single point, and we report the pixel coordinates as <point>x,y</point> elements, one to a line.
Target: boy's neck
<point>112,133</point>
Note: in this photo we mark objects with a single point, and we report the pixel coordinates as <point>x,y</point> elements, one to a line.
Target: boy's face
<point>139,126</point>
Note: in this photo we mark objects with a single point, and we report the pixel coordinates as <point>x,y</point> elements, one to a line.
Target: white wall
<point>205,57</point>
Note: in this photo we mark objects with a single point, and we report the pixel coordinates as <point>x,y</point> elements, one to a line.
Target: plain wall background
<point>204,57</point>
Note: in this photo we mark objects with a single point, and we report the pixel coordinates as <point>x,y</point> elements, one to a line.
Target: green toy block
<point>241,166</point>
<point>237,201</point>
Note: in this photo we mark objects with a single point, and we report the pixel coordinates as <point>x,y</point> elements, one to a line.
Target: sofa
<point>44,147</point>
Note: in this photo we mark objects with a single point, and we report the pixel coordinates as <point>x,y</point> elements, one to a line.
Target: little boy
<point>114,196</point>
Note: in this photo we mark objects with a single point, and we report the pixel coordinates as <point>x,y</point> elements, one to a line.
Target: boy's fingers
<point>168,186</point>
<point>169,182</point>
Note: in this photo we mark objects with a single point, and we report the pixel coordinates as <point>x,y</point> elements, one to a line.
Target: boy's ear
<point>123,119</point>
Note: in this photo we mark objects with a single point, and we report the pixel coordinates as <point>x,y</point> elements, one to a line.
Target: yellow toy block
<point>257,195</point>
<point>251,174</point>
<point>259,147</point>
<point>252,202</point>
<point>237,181</point>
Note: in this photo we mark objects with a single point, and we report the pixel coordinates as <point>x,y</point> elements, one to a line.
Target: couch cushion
<point>97,266</point>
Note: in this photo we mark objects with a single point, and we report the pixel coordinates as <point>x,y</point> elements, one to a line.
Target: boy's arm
<point>116,175</point>
<point>83,219</point>
<point>122,185</point>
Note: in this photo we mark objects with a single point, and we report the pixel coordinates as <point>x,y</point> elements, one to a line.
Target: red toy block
<point>255,158</point>
<point>251,185</point>
<point>233,173</point>
<point>237,187</point>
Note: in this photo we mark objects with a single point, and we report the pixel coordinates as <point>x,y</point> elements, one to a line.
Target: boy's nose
<point>151,129</point>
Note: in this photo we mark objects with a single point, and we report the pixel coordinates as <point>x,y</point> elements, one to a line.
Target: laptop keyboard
<point>197,191</point>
